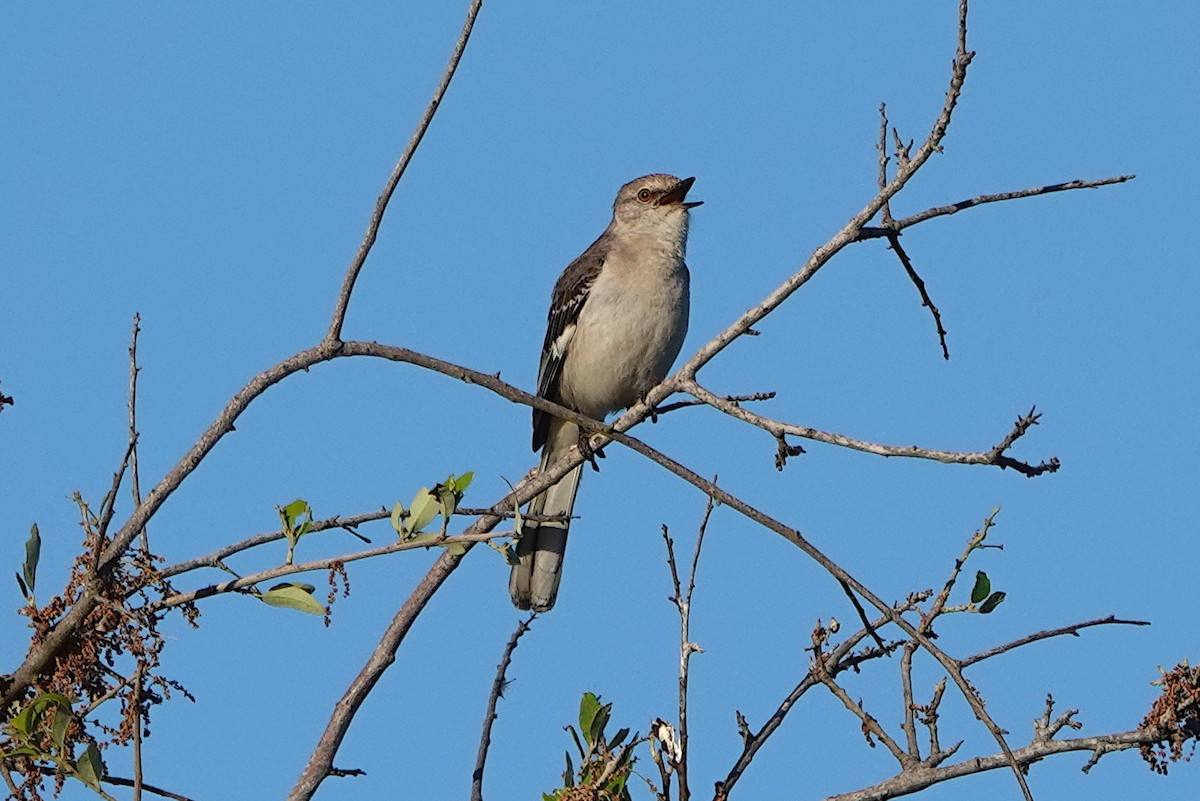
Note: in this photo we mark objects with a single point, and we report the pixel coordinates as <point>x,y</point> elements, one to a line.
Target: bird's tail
<point>533,583</point>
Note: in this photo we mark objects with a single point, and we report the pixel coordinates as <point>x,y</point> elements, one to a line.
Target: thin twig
<point>320,564</point>
<point>138,785</point>
<point>778,429</point>
<point>883,162</point>
<point>870,726</point>
<point>685,404</point>
<point>919,283</point>
<point>149,788</point>
<point>1073,630</point>
<point>135,485</point>
<point>980,200</point>
<point>498,685</point>
<point>683,603</point>
<point>381,205</point>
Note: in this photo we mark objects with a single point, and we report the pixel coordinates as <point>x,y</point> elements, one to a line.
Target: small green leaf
<point>982,587</point>
<point>293,512</point>
<point>589,707</point>
<point>398,518</point>
<point>568,776</point>
<point>90,767</point>
<point>456,548</point>
<point>463,482</point>
<point>618,738</point>
<point>293,596</point>
<point>994,600</point>
<point>424,508</point>
<point>33,552</point>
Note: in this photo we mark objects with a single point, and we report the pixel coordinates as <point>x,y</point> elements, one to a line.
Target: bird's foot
<point>589,453</point>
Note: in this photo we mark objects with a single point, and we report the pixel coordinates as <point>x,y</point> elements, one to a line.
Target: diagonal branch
<point>368,241</point>
<point>919,283</point>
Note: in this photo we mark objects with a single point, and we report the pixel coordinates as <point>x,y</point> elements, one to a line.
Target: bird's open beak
<point>677,193</point>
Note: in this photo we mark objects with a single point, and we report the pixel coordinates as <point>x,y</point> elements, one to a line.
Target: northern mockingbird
<point>618,316</point>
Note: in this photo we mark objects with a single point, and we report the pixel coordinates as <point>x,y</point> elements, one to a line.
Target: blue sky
<point>213,167</point>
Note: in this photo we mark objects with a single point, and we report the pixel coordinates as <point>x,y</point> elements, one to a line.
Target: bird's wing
<point>567,300</point>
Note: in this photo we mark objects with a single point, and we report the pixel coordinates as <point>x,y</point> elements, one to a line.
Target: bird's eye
<point>644,195</point>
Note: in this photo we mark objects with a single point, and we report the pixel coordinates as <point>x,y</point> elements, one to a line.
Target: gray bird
<point>618,316</point>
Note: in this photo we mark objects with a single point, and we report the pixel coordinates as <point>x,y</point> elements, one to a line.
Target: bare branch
<point>683,604</point>
<point>970,695</point>
<point>883,162</point>
<point>870,726</point>
<point>1073,630</point>
<point>919,283</point>
<point>913,781</point>
<point>498,685</point>
<point>841,657</point>
<point>368,241</point>
<point>979,200</point>
<point>779,429</point>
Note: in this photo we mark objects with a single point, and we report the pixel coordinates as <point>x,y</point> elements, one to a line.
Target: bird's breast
<point>629,331</point>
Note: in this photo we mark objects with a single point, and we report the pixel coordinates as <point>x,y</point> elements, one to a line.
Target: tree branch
<point>498,685</point>
<point>368,241</point>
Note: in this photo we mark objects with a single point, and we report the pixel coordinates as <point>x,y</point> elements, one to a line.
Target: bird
<point>618,317</point>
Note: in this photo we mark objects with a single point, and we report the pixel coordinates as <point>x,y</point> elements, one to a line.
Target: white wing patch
<point>558,348</point>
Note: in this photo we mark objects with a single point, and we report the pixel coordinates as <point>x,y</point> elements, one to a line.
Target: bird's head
<point>654,203</point>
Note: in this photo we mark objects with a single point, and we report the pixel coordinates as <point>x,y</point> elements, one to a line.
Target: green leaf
<point>293,596</point>
<point>398,518</point>
<point>25,721</point>
<point>292,513</point>
<point>618,738</point>
<point>994,600</point>
<point>589,707</point>
<point>575,737</point>
<point>463,482</point>
<point>424,507</point>
<point>568,776</point>
<point>62,720</point>
<point>33,552</point>
<point>90,767</point>
<point>598,724</point>
<point>25,750</point>
<point>456,548</point>
<point>982,587</point>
